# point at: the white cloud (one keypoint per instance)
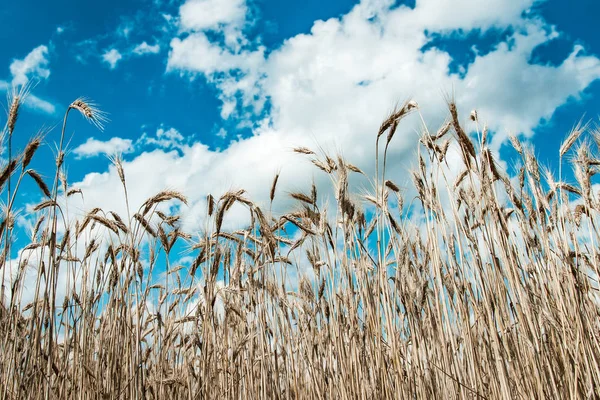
(34, 65)
(60, 29)
(35, 103)
(442, 15)
(200, 15)
(215, 45)
(145, 48)
(112, 57)
(224, 52)
(334, 85)
(167, 139)
(233, 71)
(197, 53)
(170, 134)
(93, 147)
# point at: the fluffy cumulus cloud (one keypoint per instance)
(163, 138)
(201, 15)
(112, 57)
(332, 87)
(444, 16)
(93, 147)
(214, 58)
(214, 45)
(32, 68)
(34, 65)
(233, 72)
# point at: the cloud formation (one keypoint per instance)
(32, 68)
(112, 57)
(93, 147)
(164, 138)
(145, 48)
(34, 65)
(228, 59)
(201, 15)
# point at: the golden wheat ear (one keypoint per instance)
(90, 111)
(16, 96)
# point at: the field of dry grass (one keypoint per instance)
(470, 285)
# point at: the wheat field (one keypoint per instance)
(476, 285)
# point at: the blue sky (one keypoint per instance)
(205, 95)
